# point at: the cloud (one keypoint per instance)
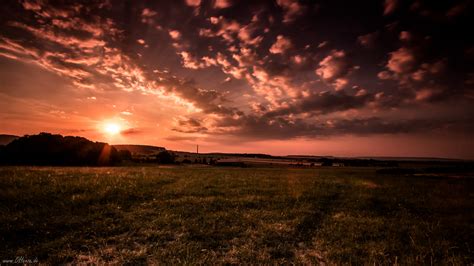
(384, 75)
(435, 67)
(403, 65)
(246, 35)
(419, 75)
(273, 88)
(148, 16)
(367, 40)
(192, 62)
(146, 12)
(189, 125)
(427, 69)
(390, 6)
(298, 59)
(292, 9)
(401, 60)
(175, 35)
(228, 28)
(340, 83)
(424, 94)
(252, 127)
(323, 44)
(333, 66)
(222, 4)
(132, 131)
(281, 45)
(324, 103)
(457, 9)
(193, 2)
(405, 36)
(127, 113)
(51, 35)
(422, 82)
(31, 5)
(95, 63)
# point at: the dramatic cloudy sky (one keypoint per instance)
(282, 77)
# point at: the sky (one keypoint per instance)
(341, 78)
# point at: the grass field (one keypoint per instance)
(231, 215)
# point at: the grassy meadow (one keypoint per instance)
(191, 215)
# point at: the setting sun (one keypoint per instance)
(112, 128)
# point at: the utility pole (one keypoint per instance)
(197, 149)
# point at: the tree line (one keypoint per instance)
(51, 149)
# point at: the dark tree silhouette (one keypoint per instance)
(165, 157)
(49, 149)
(125, 155)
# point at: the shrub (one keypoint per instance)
(165, 157)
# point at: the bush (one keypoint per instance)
(165, 157)
(396, 171)
(125, 155)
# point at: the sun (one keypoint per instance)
(112, 128)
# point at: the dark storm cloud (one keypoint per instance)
(294, 64)
(323, 103)
(190, 125)
(254, 128)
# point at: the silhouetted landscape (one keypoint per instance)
(54, 149)
(160, 206)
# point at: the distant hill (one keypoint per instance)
(413, 159)
(49, 149)
(5, 139)
(140, 149)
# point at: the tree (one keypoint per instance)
(125, 155)
(49, 149)
(165, 157)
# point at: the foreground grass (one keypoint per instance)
(203, 215)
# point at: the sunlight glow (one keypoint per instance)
(112, 128)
